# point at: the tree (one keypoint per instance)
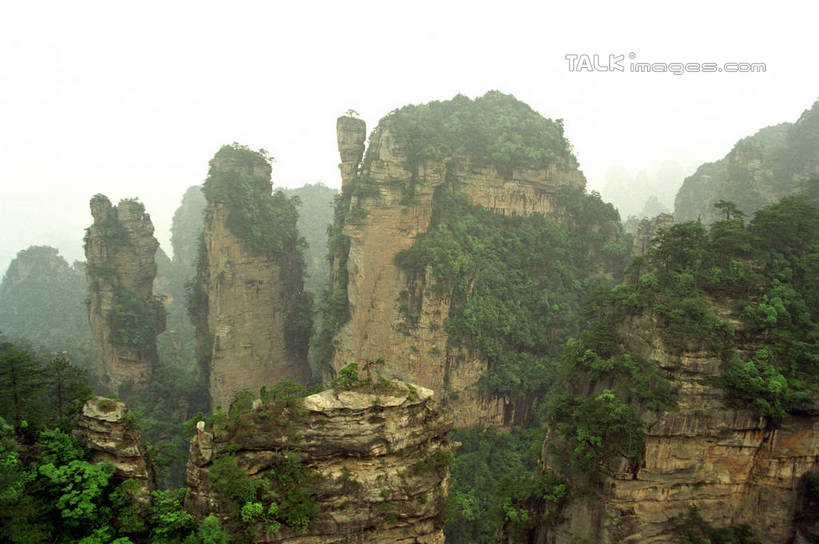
(730, 209)
(68, 386)
(21, 380)
(788, 227)
(679, 247)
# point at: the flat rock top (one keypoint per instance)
(104, 409)
(362, 400)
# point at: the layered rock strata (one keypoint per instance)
(374, 455)
(108, 431)
(732, 465)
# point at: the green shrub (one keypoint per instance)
(279, 497)
(762, 387)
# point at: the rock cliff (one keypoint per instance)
(374, 458)
(107, 429)
(733, 466)
(125, 316)
(390, 203)
(759, 170)
(250, 307)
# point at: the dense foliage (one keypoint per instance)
(491, 266)
(35, 393)
(134, 321)
(278, 498)
(496, 484)
(495, 129)
(50, 492)
(239, 178)
(764, 273)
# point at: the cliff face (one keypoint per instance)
(377, 459)
(387, 221)
(759, 170)
(246, 292)
(735, 467)
(125, 316)
(105, 428)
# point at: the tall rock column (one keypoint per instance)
(351, 133)
(250, 309)
(124, 315)
(387, 203)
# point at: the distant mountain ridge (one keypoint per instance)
(759, 170)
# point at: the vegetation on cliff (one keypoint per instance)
(763, 273)
(51, 492)
(239, 179)
(135, 322)
(495, 129)
(493, 475)
(49, 489)
(766, 271)
(491, 265)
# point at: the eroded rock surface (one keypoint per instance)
(105, 428)
(241, 326)
(372, 453)
(124, 315)
(733, 465)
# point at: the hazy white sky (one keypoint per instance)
(133, 99)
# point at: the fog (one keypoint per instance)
(134, 100)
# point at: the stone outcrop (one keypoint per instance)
(734, 466)
(124, 315)
(378, 456)
(384, 224)
(647, 230)
(350, 133)
(106, 428)
(760, 169)
(241, 323)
